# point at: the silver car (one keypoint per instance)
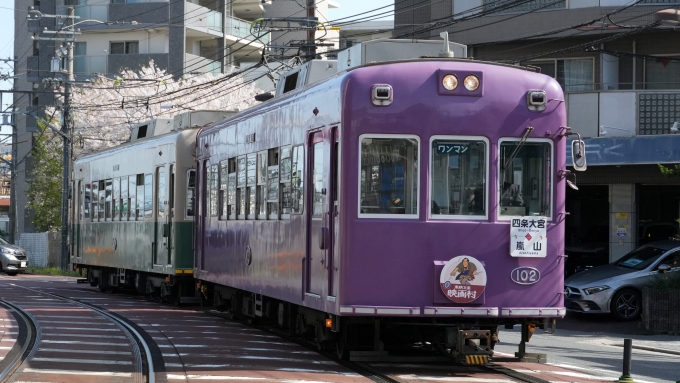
(616, 288)
(12, 258)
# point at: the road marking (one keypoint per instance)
(89, 361)
(454, 379)
(85, 351)
(87, 336)
(79, 328)
(233, 377)
(90, 343)
(69, 322)
(72, 372)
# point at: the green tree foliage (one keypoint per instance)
(44, 190)
(669, 171)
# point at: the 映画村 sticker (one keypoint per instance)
(463, 279)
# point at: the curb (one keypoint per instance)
(653, 349)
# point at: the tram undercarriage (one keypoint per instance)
(371, 338)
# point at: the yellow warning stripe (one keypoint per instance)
(187, 271)
(476, 359)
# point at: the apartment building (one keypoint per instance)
(621, 79)
(180, 36)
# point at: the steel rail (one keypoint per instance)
(20, 351)
(151, 376)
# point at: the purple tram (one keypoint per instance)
(415, 202)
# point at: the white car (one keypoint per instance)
(616, 288)
(12, 258)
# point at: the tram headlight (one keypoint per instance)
(471, 83)
(450, 82)
(597, 289)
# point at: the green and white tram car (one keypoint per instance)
(133, 209)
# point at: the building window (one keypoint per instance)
(389, 176)
(658, 112)
(124, 48)
(458, 173)
(80, 49)
(574, 75)
(496, 6)
(36, 47)
(662, 74)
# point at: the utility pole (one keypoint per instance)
(310, 47)
(67, 148)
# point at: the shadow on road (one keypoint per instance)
(600, 323)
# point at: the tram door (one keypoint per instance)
(160, 238)
(319, 215)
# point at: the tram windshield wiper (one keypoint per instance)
(521, 143)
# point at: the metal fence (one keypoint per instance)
(36, 246)
(661, 310)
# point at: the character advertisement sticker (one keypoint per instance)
(463, 279)
(528, 237)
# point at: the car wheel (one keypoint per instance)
(626, 305)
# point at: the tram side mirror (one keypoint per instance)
(578, 155)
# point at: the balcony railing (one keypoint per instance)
(90, 64)
(241, 28)
(198, 64)
(87, 12)
(623, 112)
(198, 16)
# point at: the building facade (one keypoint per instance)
(182, 37)
(620, 71)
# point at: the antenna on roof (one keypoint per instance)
(446, 52)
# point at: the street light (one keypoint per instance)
(668, 17)
(604, 132)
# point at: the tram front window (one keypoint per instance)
(389, 175)
(458, 178)
(524, 183)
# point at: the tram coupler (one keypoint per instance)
(472, 346)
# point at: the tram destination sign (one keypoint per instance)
(528, 237)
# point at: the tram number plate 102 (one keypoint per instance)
(525, 275)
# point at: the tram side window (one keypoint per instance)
(102, 199)
(162, 202)
(389, 175)
(222, 200)
(115, 201)
(262, 185)
(273, 184)
(148, 195)
(524, 182)
(251, 185)
(86, 200)
(108, 198)
(230, 202)
(191, 187)
(124, 201)
(458, 177)
(139, 209)
(213, 184)
(132, 189)
(95, 201)
(284, 186)
(241, 185)
(297, 178)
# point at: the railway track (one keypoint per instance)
(404, 372)
(62, 338)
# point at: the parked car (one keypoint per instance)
(616, 288)
(12, 258)
(590, 251)
(656, 231)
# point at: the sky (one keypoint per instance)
(347, 8)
